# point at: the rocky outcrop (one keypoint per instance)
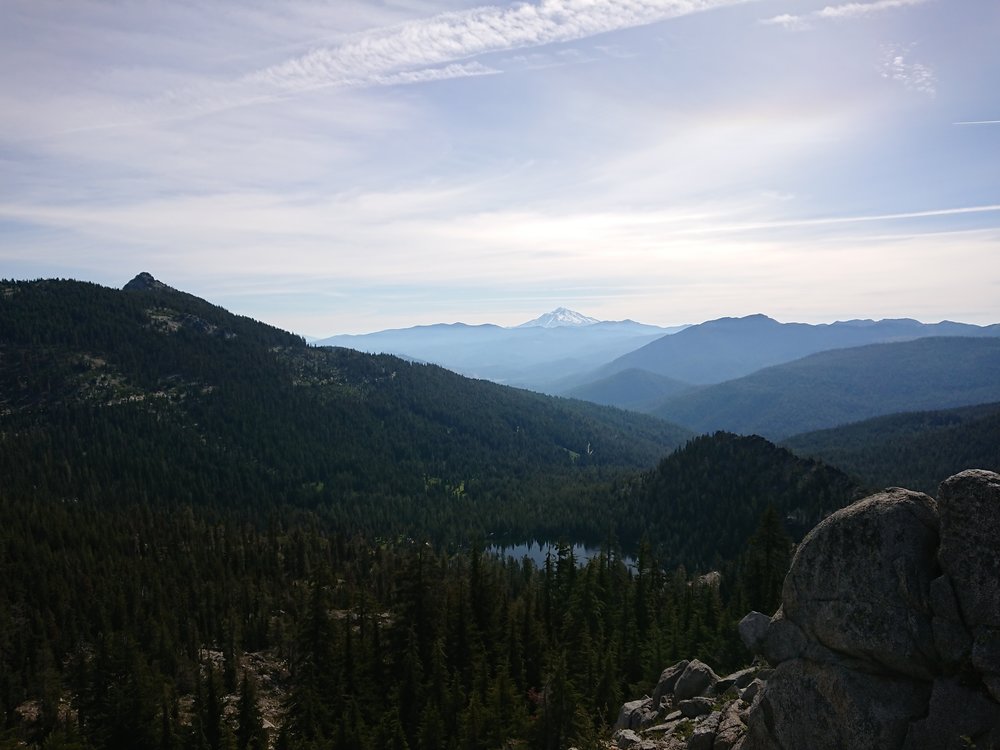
(969, 555)
(636, 714)
(692, 708)
(860, 584)
(887, 638)
(697, 679)
(807, 704)
(668, 679)
(144, 282)
(753, 631)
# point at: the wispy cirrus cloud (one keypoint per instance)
(838, 12)
(914, 76)
(454, 70)
(439, 47)
(853, 10)
(788, 21)
(435, 48)
(450, 37)
(834, 220)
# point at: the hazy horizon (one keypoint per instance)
(645, 322)
(354, 166)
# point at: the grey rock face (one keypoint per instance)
(668, 680)
(986, 650)
(635, 714)
(828, 707)
(859, 584)
(627, 739)
(696, 679)
(969, 555)
(738, 680)
(951, 638)
(888, 635)
(955, 711)
(751, 691)
(694, 707)
(969, 507)
(731, 728)
(752, 629)
(703, 737)
(783, 640)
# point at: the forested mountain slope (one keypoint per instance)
(702, 503)
(150, 394)
(634, 389)
(912, 449)
(727, 348)
(195, 508)
(845, 385)
(149, 625)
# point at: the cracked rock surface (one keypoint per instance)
(887, 638)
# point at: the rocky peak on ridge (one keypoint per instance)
(144, 282)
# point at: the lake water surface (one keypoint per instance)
(537, 551)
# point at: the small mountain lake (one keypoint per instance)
(537, 552)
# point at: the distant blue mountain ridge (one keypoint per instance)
(629, 364)
(533, 355)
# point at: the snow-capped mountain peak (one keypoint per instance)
(560, 317)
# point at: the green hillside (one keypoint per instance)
(917, 450)
(845, 385)
(630, 389)
(152, 395)
(702, 502)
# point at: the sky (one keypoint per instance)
(344, 166)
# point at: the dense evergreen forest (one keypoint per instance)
(918, 450)
(130, 627)
(153, 395)
(214, 536)
(702, 502)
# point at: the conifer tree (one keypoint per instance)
(767, 559)
(315, 675)
(250, 734)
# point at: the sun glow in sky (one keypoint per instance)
(338, 166)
